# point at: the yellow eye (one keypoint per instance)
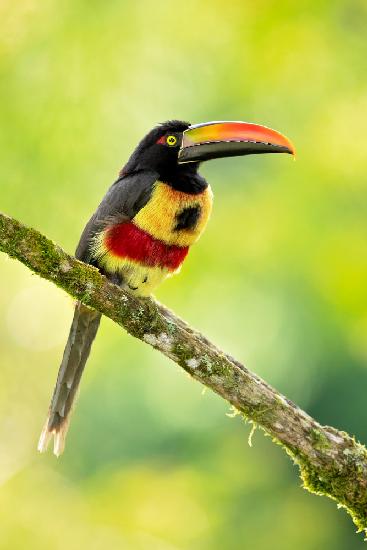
(171, 140)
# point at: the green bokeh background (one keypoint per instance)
(278, 279)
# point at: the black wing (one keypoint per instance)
(122, 202)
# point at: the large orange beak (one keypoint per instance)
(230, 139)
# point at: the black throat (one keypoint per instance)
(185, 178)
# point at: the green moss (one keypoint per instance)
(341, 487)
(344, 485)
(251, 434)
(206, 361)
(45, 258)
(171, 328)
(319, 440)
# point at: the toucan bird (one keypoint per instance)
(142, 230)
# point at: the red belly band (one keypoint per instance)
(126, 240)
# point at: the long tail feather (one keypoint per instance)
(82, 333)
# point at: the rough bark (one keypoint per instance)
(331, 462)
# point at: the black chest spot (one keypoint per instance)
(187, 218)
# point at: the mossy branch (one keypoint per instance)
(331, 462)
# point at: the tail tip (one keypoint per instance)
(59, 443)
(58, 435)
(44, 439)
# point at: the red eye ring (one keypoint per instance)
(170, 140)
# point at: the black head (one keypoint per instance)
(158, 151)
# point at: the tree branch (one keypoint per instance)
(331, 462)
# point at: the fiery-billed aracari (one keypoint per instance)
(142, 230)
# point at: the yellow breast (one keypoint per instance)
(160, 215)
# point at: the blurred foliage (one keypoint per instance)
(278, 280)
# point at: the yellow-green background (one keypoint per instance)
(278, 280)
